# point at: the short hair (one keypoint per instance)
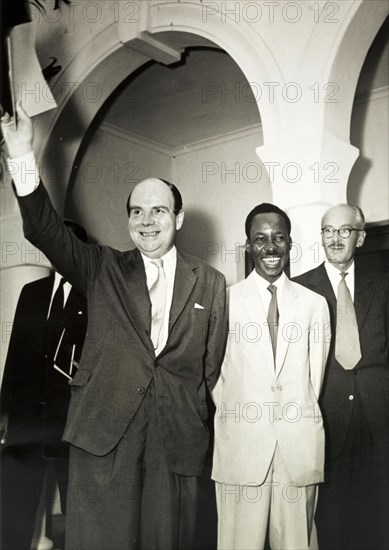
(359, 215)
(177, 198)
(77, 229)
(266, 208)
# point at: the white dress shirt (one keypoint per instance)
(265, 294)
(24, 172)
(169, 267)
(335, 278)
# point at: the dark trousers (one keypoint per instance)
(129, 499)
(353, 508)
(23, 471)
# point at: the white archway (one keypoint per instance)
(119, 50)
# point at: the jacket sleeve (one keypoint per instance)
(217, 334)
(319, 343)
(43, 227)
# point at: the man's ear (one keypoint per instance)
(247, 247)
(179, 220)
(361, 238)
(290, 243)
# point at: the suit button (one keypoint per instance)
(351, 397)
(279, 388)
(140, 390)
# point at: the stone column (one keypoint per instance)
(307, 177)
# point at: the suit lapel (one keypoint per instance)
(43, 298)
(136, 301)
(257, 314)
(287, 309)
(363, 295)
(320, 283)
(72, 306)
(184, 282)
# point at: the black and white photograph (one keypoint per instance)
(194, 277)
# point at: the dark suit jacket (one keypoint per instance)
(118, 361)
(33, 393)
(370, 377)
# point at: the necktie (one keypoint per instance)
(347, 347)
(272, 318)
(53, 327)
(158, 301)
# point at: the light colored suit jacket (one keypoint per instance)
(261, 404)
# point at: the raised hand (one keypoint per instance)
(18, 137)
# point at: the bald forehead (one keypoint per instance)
(151, 190)
(148, 184)
(339, 215)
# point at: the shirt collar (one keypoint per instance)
(334, 277)
(57, 279)
(262, 283)
(169, 260)
(333, 272)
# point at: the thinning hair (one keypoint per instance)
(266, 208)
(359, 216)
(177, 198)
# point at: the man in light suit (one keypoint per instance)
(154, 344)
(352, 510)
(269, 436)
(35, 396)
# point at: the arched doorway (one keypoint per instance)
(195, 123)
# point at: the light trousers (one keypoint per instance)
(246, 512)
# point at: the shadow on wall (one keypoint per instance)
(198, 235)
(361, 118)
(358, 176)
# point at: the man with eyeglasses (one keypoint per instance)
(352, 507)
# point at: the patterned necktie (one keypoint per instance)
(347, 347)
(53, 327)
(272, 318)
(158, 301)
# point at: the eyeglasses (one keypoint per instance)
(343, 232)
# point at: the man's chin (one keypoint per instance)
(269, 274)
(335, 256)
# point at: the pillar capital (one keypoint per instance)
(307, 177)
(311, 170)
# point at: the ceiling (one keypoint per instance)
(205, 94)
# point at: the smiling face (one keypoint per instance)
(339, 251)
(152, 222)
(269, 245)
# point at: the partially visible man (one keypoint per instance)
(46, 343)
(353, 503)
(269, 436)
(155, 342)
